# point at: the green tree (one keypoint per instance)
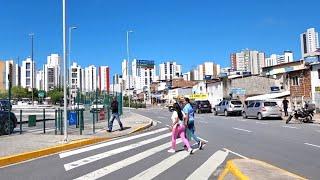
(56, 95)
(19, 92)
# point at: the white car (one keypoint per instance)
(96, 106)
(76, 106)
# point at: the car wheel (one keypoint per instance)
(8, 127)
(260, 116)
(215, 112)
(226, 113)
(244, 115)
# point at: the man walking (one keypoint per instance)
(189, 112)
(285, 103)
(115, 115)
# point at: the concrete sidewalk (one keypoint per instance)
(16, 148)
(246, 169)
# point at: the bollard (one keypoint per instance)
(55, 122)
(20, 121)
(44, 121)
(93, 123)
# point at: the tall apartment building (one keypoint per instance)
(143, 72)
(52, 74)
(91, 78)
(104, 78)
(28, 74)
(247, 60)
(208, 69)
(169, 71)
(10, 73)
(18, 75)
(276, 59)
(75, 79)
(309, 41)
(39, 80)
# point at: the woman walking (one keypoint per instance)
(178, 128)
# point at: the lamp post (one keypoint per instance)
(69, 59)
(32, 66)
(64, 69)
(128, 63)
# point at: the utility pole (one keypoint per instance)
(32, 66)
(128, 64)
(65, 70)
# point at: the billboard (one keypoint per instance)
(148, 64)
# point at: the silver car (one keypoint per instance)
(227, 107)
(262, 109)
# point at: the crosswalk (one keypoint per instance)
(148, 146)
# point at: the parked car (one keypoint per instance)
(96, 106)
(6, 126)
(262, 109)
(228, 107)
(201, 106)
(5, 105)
(76, 106)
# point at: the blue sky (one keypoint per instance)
(187, 31)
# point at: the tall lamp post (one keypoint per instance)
(128, 63)
(69, 58)
(65, 70)
(32, 66)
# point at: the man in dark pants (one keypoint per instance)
(285, 103)
(115, 115)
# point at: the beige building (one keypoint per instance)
(2, 75)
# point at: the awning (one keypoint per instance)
(269, 96)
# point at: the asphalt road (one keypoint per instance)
(294, 147)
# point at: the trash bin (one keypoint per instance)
(72, 118)
(32, 119)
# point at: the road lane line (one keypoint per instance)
(207, 168)
(124, 163)
(261, 123)
(204, 122)
(291, 127)
(159, 122)
(242, 120)
(237, 154)
(90, 148)
(164, 165)
(106, 154)
(203, 139)
(241, 129)
(312, 145)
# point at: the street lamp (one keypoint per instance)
(32, 73)
(128, 60)
(69, 58)
(65, 70)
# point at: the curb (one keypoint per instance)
(13, 159)
(238, 174)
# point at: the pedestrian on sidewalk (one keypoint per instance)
(115, 114)
(189, 112)
(285, 103)
(178, 128)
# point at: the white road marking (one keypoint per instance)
(241, 129)
(207, 168)
(106, 154)
(161, 117)
(159, 122)
(312, 145)
(242, 120)
(291, 127)
(261, 123)
(204, 122)
(162, 166)
(237, 154)
(90, 148)
(203, 139)
(124, 163)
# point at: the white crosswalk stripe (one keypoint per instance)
(90, 148)
(156, 146)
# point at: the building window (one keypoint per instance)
(146, 81)
(295, 81)
(27, 73)
(27, 65)
(318, 73)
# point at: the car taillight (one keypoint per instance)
(263, 109)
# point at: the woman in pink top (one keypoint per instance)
(178, 128)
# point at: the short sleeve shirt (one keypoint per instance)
(188, 110)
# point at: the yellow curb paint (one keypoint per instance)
(142, 127)
(235, 171)
(8, 160)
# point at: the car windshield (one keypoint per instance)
(270, 104)
(236, 102)
(204, 102)
(4, 103)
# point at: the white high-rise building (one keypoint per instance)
(18, 75)
(83, 80)
(91, 78)
(249, 61)
(104, 78)
(169, 71)
(206, 69)
(309, 42)
(75, 79)
(276, 59)
(39, 80)
(187, 76)
(51, 70)
(28, 74)
(143, 72)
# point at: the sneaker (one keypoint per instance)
(190, 151)
(109, 130)
(201, 144)
(171, 151)
(185, 147)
